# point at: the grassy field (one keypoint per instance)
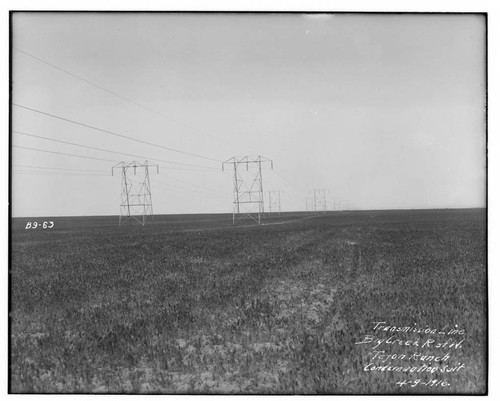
(191, 304)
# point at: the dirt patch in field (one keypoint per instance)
(312, 303)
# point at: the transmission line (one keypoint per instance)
(56, 168)
(109, 151)
(115, 94)
(203, 189)
(62, 153)
(290, 183)
(187, 191)
(58, 173)
(116, 134)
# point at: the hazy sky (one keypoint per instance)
(386, 111)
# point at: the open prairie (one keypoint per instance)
(193, 304)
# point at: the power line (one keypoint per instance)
(93, 173)
(62, 153)
(200, 188)
(109, 151)
(206, 170)
(98, 171)
(116, 134)
(72, 143)
(57, 173)
(187, 191)
(290, 183)
(56, 168)
(115, 94)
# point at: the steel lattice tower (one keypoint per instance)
(274, 201)
(136, 201)
(319, 200)
(248, 193)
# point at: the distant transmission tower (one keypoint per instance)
(136, 202)
(248, 193)
(341, 204)
(319, 200)
(309, 207)
(274, 201)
